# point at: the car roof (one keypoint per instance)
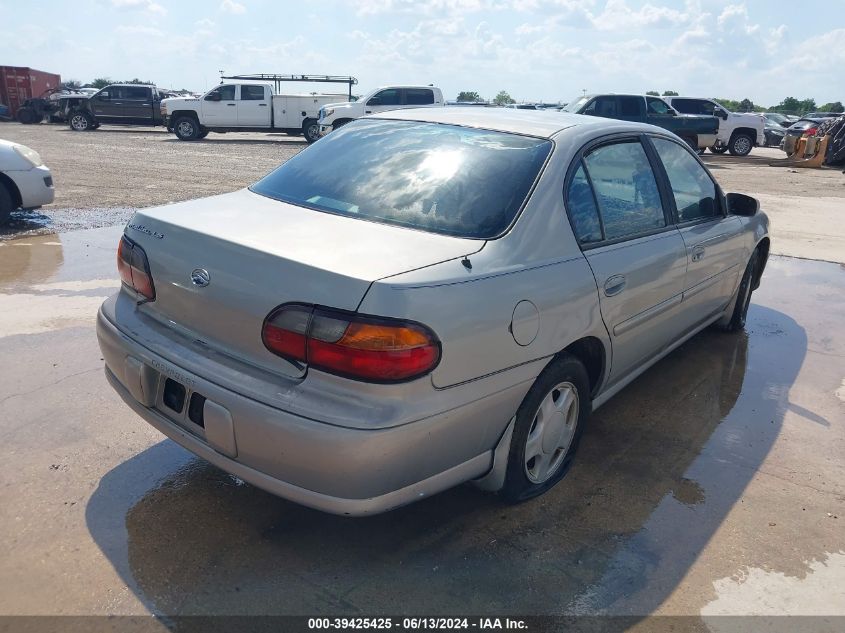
(541, 123)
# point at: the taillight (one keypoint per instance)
(811, 131)
(134, 268)
(356, 346)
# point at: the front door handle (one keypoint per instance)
(368, 111)
(697, 254)
(231, 105)
(614, 285)
(263, 105)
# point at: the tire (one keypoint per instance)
(700, 151)
(311, 130)
(6, 204)
(186, 128)
(717, 150)
(743, 296)
(80, 121)
(740, 145)
(203, 134)
(692, 141)
(27, 116)
(562, 391)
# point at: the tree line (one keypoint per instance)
(790, 105)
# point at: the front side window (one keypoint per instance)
(606, 106)
(694, 191)
(438, 178)
(583, 213)
(227, 93)
(686, 106)
(252, 93)
(629, 201)
(657, 106)
(387, 97)
(418, 96)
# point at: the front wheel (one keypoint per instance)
(549, 424)
(6, 204)
(81, 121)
(311, 130)
(186, 128)
(740, 145)
(718, 149)
(743, 296)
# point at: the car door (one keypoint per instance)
(383, 100)
(253, 106)
(712, 238)
(658, 112)
(637, 256)
(219, 107)
(107, 105)
(137, 104)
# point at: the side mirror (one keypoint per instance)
(722, 114)
(740, 204)
(103, 96)
(374, 101)
(214, 96)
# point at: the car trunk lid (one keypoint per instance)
(259, 253)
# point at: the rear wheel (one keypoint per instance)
(80, 121)
(26, 116)
(740, 145)
(186, 128)
(549, 424)
(311, 130)
(6, 204)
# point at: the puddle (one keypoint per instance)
(48, 221)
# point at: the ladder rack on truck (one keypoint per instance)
(278, 80)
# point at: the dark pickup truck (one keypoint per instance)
(123, 104)
(697, 130)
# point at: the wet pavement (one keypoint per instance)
(714, 484)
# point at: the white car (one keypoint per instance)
(25, 182)
(738, 133)
(335, 115)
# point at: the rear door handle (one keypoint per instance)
(368, 111)
(697, 254)
(614, 285)
(231, 105)
(263, 105)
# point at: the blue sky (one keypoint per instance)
(535, 49)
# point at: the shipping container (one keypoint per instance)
(18, 83)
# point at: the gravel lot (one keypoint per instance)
(102, 175)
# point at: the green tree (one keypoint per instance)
(653, 93)
(731, 105)
(138, 81)
(746, 105)
(101, 82)
(835, 106)
(503, 98)
(670, 93)
(807, 105)
(466, 95)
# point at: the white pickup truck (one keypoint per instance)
(334, 115)
(738, 132)
(245, 107)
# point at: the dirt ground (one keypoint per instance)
(102, 175)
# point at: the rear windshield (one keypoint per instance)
(428, 176)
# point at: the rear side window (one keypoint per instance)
(583, 213)
(138, 94)
(630, 106)
(252, 93)
(693, 189)
(418, 96)
(686, 106)
(629, 201)
(437, 178)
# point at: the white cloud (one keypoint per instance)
(149, 6)
(230, 6)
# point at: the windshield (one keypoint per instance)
(434, 177)
(576, 105)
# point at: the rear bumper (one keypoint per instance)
(348, 471)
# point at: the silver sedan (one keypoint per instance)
(423, 299)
